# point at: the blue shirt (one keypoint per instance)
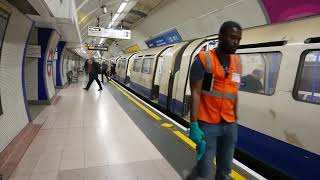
(197, 70)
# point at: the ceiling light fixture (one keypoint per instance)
(101, 40)
(115, 17)
(110, 24)
(122, 6)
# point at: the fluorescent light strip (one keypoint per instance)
(122, 6)
(101, 40)
(115, 17)
(110, 24)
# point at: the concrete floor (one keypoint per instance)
(87, 135)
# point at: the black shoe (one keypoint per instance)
(100, 89)
(85, 89)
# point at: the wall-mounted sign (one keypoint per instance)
(33, 51)
(134, 48)
(97, 48)
(109, 33)
(50, 62)
(170, 37)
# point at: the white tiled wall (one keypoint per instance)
(14, 116)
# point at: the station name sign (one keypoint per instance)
(170, 37)
(108, 33)
(97, 48)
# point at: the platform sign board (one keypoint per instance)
(97, 48)
(33, 51)
(109, 33)
(134, 48)
(170, 37)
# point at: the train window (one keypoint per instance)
(212, 44)
(119, 64)
(4, 18)
(260, 72)
(147, 65)
(137, 63)
(122, 64)
(308, 79)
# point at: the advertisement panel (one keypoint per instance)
(280, 11)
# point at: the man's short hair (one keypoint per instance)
(228, 25)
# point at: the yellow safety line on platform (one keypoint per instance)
(185, 139)
(167, 125)
(179, 134)
(152, 114)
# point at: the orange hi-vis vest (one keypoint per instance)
(219, 100)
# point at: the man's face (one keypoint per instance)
(230, 40)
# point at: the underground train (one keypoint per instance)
(278, 123)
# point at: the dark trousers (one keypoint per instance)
(91, 79)
(221, 141)
(104, 73)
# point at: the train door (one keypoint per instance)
(174, 73)
(159, 70)
(129, 68)
(208, 45)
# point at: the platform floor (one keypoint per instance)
(87, 135)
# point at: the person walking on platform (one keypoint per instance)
(85, 66)
(104, 71)
(113, 69)
(93, 70)
(214, 81)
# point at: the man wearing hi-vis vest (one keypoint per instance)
(214, 81)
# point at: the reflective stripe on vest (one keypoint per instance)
(208, 60)
(237, 61)
(218, 93)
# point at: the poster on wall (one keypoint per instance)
(279, 11)
(50, 62)
(33, 51)
(4, 18)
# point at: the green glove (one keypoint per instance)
(197, 136)
(201, 149)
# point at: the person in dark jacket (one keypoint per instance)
(104, 71)
(113, 69)
(93, 69)
(85, 66)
